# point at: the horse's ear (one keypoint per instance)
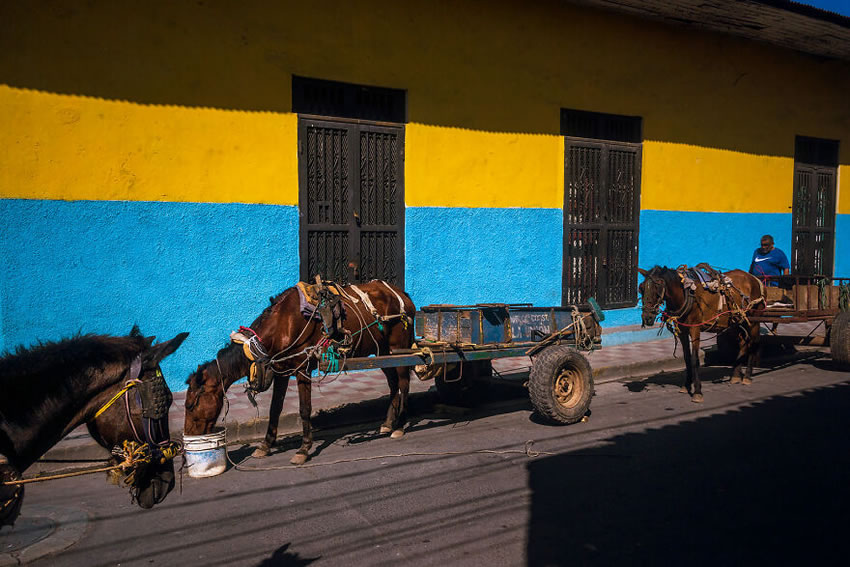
(271, 300)
(148, 341)
(135, 331)
(161, 350)
(644, 273)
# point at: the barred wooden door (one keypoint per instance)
(351, 200)
(601, 204)
(813, 208)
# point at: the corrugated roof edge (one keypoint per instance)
(810, 11)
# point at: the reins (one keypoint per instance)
(132, 453)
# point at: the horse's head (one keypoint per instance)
(154, 481)
(204, 399)
(652, 291)
(206, 387)
(140, 423)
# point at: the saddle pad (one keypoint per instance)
(308, 298)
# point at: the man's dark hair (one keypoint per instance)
(767, 237)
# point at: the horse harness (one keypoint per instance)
(714, 282)
(321, 301)
(154, 397)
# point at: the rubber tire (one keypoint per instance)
(462, 392)
(545, 372)
(839, 340)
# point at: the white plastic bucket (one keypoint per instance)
(205, 454)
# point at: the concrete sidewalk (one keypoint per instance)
(360, 397)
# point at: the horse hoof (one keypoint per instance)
(385, 429)
(298, 459)
(683, 390)
(697, 399)
(397, 434)
(260, 452)
(735, 380)
(747, 381)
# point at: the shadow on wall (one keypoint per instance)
(764, 484)
(494, 66)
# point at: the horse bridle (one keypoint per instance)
(154, 398)
(654, 309)
(662, 297)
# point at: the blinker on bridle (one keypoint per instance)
(654, 309)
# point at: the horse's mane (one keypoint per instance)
(50, 362)
(669, 275)
(227, 358)
(279, 297)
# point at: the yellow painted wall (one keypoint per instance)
(714, 180)
(82, 148)
(844, 189)
(506, 170)
(185, 102)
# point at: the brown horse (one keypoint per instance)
(284, 342)
(690, 311)
(50, 389)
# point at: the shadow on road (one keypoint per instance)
(763, 484)
(358, 422)
(282, 557)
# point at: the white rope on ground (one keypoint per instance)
(527, 451)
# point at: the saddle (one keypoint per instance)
(323, 301)
(704, 275)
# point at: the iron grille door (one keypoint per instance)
(813, 208)
(352, 201)
(601, 204)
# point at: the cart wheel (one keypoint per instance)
(458, 385)
(839, 340)
(560, 384)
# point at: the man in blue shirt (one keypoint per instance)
(767, 260)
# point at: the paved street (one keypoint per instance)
(755, 475)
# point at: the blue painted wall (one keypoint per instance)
(100, 267)
(724, 240)
(483, 255)
(842, 246)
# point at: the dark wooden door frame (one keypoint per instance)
(602, 223)
(354, 225)
(816, 159)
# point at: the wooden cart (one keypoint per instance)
(799, 299)
(457, 344)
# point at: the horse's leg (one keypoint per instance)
(684, 338)
(753, 342)
(739, 358)
(279, 386)
(403, 392)
(697, 397)
(305, 410)
(392, 411)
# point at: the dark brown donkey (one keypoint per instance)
(689, 311)
(283, 342)
(48, 390)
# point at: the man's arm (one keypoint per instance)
(783, 263)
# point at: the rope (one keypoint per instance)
(844, 297)
(132, 452)
(120, 393)
(58, 476)
(527, 451)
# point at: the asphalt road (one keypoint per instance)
(756, 475)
